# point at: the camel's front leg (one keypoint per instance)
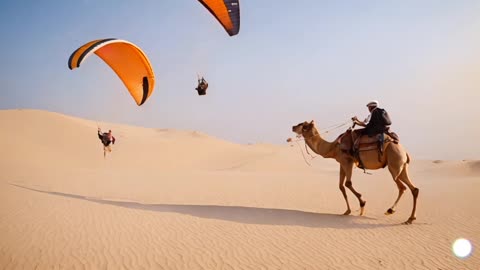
(344, 192)
(348, 173)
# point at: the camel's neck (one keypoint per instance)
(321, 147)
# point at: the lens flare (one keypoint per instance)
(462, 248)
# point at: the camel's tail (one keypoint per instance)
(408, 158)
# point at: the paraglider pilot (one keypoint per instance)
(202, 87)
(106, 139)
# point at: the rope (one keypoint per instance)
(334, 127)
(302, 153)
(306, 148)
(328, 129)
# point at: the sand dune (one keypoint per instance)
(474, 166)
(173, 199)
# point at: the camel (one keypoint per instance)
(394, 157)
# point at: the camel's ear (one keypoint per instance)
(305, 125)
(311, 122)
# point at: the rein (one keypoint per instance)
(303, 155)
(327, 130)
(333, 127)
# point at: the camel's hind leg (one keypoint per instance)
(396, 169)
(405, 179)
(401, 190)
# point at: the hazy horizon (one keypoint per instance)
(289, 63)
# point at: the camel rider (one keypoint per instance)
(106, 139)
(377, 122)
(202, 86)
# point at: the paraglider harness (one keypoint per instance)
(202, 87)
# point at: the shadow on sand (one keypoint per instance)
(240, 214)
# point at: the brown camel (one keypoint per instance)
(394, 156)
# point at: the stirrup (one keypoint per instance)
(365, 172)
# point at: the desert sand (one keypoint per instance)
(174, 199)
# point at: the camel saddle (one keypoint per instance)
(351, 142)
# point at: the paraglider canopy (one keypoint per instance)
(227, 13)
(127, 60)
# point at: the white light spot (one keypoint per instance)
(462, 248)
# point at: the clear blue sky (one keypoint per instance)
(292, 61)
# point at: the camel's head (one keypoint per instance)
(305, 129)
